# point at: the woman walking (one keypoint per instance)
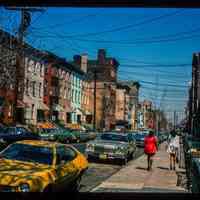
(173, 150)
(150, 148)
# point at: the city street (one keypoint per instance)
(99, 171)
(121, 85)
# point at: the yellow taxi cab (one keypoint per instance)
(41, 166)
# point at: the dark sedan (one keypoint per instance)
(12, 134)
(139, 137)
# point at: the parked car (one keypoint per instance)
(48, 133)
(80, 137)
(139, 137)
(112, 146)
(40, 166)
(65, 136)
(87, 135)
(13, 134)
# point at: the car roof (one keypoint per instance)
(38, 143)
(115, 133)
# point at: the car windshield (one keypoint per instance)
(29, 153)
(114, 137)
(51, 130)
(138, 136)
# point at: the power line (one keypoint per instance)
(150, 63)
(67, 22)
(147, 73)
(130, 25)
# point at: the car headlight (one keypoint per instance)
(90, 147)
(24, 187)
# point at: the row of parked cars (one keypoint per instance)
(59, 134)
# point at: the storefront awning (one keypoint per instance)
(57, 107)
(42, 106)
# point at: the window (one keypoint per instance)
(65, 92)
(45, 87)
(69, 119)
(27, 87)
(38, 65)
(46, 69)
(34, 67)
(10, 130)
(32, 111)
(72, 97)
(30, 66)
(75, 96)
(21, 130)
(64, 154)
(33, 85)
(29, 153)
(41, 69)
(79, 97)
(40, 90)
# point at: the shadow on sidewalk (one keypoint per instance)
(142, 168)
(165, 168)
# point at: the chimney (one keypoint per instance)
(83, 64)
(77, 59)
(101, 56)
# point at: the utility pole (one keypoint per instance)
(94, 108)
(174, 120)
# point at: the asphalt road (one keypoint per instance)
(99, 171)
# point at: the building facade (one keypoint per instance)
(103, 73)
(7, 77)
(194, 98)
(33, 93)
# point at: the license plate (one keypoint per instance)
(102, 156)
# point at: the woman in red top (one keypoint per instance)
(150, 148)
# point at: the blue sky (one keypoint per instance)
(136, 37)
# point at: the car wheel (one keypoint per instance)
(49, 188)
(76, 184)
(131, 155)
(124, 161)
(67, 141)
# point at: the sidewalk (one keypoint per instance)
(135, 178)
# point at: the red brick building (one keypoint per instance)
(57, 88)
(105, 69)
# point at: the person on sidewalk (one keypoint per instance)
(150, 148)
(173, 150)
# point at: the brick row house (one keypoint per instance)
(52, 88)
(7, 77)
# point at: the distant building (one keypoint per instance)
(106, 80)
(127, 93)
